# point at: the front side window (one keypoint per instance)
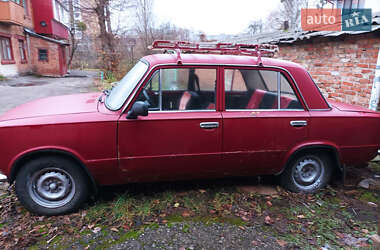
(125, 86)
(180, 89)
(258, 89)
(6, 50)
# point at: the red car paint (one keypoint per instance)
(171, 145)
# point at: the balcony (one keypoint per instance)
(59, 30)
(11, 12)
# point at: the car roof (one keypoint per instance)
(212, 59)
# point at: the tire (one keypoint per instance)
(307, 173)
(52, 186)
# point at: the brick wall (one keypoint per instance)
(18, 67)
(343, 67)
(49, 67)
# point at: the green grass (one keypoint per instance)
(370, 197)
(2, 78)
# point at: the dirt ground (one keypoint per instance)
(16, 91)
(214, 214)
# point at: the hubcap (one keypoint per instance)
(51, 187)
(307, 172)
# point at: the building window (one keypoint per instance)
(61, 13)
(21, 46)
(43, 55)
(6, 50)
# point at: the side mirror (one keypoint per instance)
(138, 109)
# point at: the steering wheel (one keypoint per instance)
(147, 97)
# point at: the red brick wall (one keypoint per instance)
(343, 67)
(16, 32)
(47, 68)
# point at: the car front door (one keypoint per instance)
(263, 119)
(181, 136)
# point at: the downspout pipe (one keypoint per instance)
(375, 94)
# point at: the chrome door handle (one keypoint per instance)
(298, 123)
(209, 125)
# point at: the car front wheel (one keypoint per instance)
(51, 186)
(307, 173)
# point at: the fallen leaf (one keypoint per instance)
(242, 228)
(114, 229)
(365, 231)
(186, 214)
(269, 204)
(244, 218)
(340, 235)
(268, 220)
(176, 204)
(202, 191)
(91, 226)
(301, 216)
(96, 230)
(254, 243)
(282, 243)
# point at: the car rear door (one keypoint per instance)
(181, 136)
(263, 119)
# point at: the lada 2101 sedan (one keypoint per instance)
(204, 111)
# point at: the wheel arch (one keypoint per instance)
(30, 155)
(329, 148)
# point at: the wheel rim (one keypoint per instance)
(308, 172)
(51, 187)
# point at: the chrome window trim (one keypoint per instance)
(329, 109)
(262, 110)
(132, 95)
(279, 90)
(182, 111)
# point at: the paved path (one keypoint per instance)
(16, 91)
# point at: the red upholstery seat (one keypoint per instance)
(285, 101)
(256, 98)
(211, 106)
(185, 99)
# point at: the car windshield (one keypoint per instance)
(125, 86)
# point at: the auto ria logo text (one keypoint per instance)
(336, 19)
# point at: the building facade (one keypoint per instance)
(33, 37)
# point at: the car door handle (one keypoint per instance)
(209, 125)
(298, 123)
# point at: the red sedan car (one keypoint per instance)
(227, 112)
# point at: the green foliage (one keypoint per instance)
(2, 78)
(81, 26)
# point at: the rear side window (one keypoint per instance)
(258, 89)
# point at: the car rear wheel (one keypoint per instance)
(307, 173)
(51, 186)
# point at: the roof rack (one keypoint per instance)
(185, 47)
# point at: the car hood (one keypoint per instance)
(57, 105)
(349, 107)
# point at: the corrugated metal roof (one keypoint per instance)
(291, 37)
